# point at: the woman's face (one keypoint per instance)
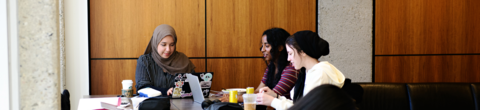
(294, 57)
(266, 48)
(166, 47)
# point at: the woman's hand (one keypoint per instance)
(261, 85)
(170, 91)
(268, 91)
(264, 99)
(226, 98)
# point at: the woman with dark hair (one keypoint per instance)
(157, 67)
(280, 75)
(325, 97)
(304, 48)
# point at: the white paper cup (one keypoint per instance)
(127, 84)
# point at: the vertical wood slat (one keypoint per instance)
(419, 69)
(123, 28)
(236, 73)
(427, 27)
(235, 27)
(106, 76)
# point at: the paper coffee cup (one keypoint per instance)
(127, 92)
(127, 84)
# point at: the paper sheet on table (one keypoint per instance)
(94, 103)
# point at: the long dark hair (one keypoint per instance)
(276, 37)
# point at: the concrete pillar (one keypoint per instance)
(39, 51)
(347, 25)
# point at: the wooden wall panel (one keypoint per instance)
(417, 69)
(123, 28)
(199, 65)
(236, 73)
(235, 27)
(427, 27)
(107, 75)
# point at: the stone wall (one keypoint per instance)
(347, 25)
(39, 54)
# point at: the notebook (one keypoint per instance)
(182, 87)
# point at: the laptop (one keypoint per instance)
(195, 87)
(184, 88)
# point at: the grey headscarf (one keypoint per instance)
(177, 62)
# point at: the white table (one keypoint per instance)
(93, 102)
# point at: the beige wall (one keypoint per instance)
(76, 49)
(4, 67)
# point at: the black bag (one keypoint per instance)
(224, 106)
(65, 100)
(155, 103)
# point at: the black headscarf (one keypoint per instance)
(311, 44)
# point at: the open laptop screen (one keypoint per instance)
(195, 87)
(182, 86)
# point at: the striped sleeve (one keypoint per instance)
(287, 81)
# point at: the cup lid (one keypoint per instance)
(127, 81)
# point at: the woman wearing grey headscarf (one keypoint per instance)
(157, 67)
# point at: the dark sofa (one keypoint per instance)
(420, 96)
